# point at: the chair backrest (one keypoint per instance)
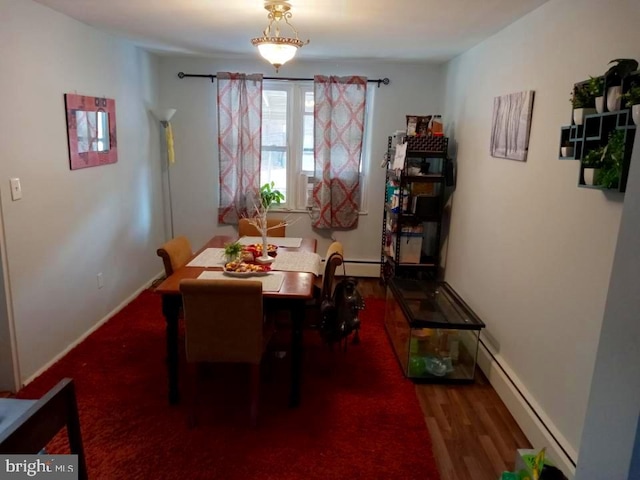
(175, 254)
(332, 260)
(245, 229)
(223, 320)
(40, 420)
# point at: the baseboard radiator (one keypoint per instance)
(536, 425)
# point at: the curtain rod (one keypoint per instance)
(379, 81)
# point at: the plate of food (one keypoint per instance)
(243, 269)
(256, 249)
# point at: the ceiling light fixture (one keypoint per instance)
(276, 49)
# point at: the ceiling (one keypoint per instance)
(405, 30)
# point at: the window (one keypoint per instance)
(287, 140)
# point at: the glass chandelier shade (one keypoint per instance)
(274, 47)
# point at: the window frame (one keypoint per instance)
(296, 91)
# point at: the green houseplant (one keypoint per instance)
(612, 157)
(268, 197)
(232, 251)
(632, 100)
(581, 96)
(582, 101)
(596, 86)
(592, 163)
(621, 69)
(632, 97)
(596, 89)
(605, 162)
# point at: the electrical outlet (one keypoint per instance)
(100, 280)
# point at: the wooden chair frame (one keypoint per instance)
(32, 430)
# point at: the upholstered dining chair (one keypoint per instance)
(224, 323)
(175, 254)
(323, 287)
(245, 229)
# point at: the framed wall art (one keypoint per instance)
(511, 124)
(91, 131)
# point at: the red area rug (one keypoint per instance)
(359, 418)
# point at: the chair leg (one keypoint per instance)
(192, 380)
(255, 390)
(356, 337)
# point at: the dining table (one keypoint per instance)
(296, 290)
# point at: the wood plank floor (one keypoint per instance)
(473, 434)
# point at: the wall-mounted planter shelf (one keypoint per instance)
(595, 132)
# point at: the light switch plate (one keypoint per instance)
(16, 189)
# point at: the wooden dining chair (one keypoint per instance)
(27, 426)
(245, 229)
(224, 322)
(175, 254)
(323, 287)
(332, 260)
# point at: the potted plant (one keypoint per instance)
(632, 100)
(232, 251)
(596, 89)
(602, 165)
(582, 102)
(268, 196)
(591, 163)
(621, 69)
(609, 175)
(566, 150)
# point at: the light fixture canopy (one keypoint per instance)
(275, 48)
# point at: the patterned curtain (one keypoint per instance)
(338, 131)
(239, 143)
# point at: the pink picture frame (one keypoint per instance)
(91, 131)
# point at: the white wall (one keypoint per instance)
(8, 373)
(71, 225)
(614, 404)
(413, 89)
(528, 250)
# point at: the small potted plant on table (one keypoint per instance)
(232, 251)
(268, 196)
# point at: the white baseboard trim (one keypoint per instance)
(530, 417)
(87, 333)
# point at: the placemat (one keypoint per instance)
(210, 257)
(298, 262)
